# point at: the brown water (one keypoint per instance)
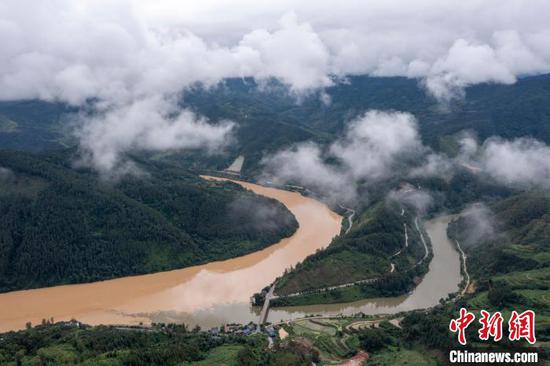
(218, 292)
(208, 295)
(442, 279)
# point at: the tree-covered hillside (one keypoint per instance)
(368, 249)
(519, 241)
(163, 345)
(510, 270)
(33, 125)
(521, 109)
(269, 118)
(62, 225)
(376, 247)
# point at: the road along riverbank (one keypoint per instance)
(443, 278)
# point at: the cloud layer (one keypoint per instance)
(381, 145)
(124, 55)
(517, 162)
(123, 49)
(152, 124)
(522, 162)
(370, 150)
(479, 225)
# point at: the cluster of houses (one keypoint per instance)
(243, 330)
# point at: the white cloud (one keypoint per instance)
(294, 54)
(421, 201)
(5, 174)
(305, 164)
(522, 162)
(119, 49)
(152, 124)
(479, 224)
(370, 150)
(517, 162)
(434, 165)
(375, 141)
(379, 145)
(518, 54)
(111, 53)
(74, 51)
(468, 146)
(121, 52)
(466, 64)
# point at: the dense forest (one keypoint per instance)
(367, 251)
(63, 225)
(487, 110)
(510, 270)
(164, 345)
(377, 234)
(269, 118)
(519, 241)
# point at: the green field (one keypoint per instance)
(224, 355)
(400, 356)
(526, 279)
(305, 327)
(327, 336)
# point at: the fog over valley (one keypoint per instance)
(269, 183)
(125, 62)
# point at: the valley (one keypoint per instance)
(218, 292)
(207, 295)
(274, 183)
(148, 255)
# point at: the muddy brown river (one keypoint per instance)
(442, 279)
(208, 295)
(218, 292)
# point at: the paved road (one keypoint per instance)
(350, 218)
(369, 280)
(466, 274)
(422, 239)
(406, 241)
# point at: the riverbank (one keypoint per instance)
(443, 278)
(390, 284)
(206, 295)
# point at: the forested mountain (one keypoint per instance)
(269, 118)
(519, 239)
(314, 183)
(510, 270)
(367, 251)
(164, 345)
(506, 110)
(521, 109)
(63, 225)
(33, 125)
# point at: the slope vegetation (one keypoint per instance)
(61, 225)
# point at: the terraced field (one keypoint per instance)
(526, 279)
(327, 336)
(311, 326)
